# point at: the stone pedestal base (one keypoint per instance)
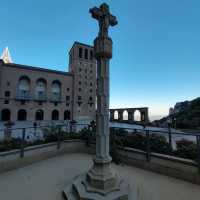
(81, 190)
(101, 178)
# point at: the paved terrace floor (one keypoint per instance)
(46, 179)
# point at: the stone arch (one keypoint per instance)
(67, 115)
(125, 115)
(55, 115)
(21, 115)
(137, 115)
(5, 115)
(39, 115)
(116, 115)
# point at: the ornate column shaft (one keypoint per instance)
(102, 135)
(101, 177)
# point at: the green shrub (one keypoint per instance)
(50, 133)
(15, 143)
(135, 140)
(159, 144)
(186, 149)
(114, 143)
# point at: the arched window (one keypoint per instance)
(24, 88)
(56, 91)
(137, 115)
(116, 115)
(41, 89)
(125, 115)
(21, 115)
(39, 115)
(5, 115)
(67, 115)
(55, 115)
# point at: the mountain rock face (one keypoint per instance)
(184, 115)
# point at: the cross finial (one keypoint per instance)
(105, 19)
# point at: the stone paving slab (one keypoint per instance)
(45, 180)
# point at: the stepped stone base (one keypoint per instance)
(81, 190)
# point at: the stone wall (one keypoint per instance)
(168, 165)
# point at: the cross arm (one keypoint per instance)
(113, 20)
(96, 13)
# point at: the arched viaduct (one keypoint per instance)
(128, 115)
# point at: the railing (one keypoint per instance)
(55, 98)
(26, 96)
(41, 97)
(145, 139)
(19, 138)
(23, 95)
(147, 136)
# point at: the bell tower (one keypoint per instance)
(83, 65)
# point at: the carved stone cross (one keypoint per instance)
(101, 182)
(105, 19)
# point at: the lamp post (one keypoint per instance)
(169, 123)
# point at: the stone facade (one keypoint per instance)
(33, 93)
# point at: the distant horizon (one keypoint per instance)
(156, 45)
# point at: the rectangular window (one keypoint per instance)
(91, 55)
(80, 52)
(67, 98)
(6, 102)
(70, 59)
(23, 102)
(86, 54)
(79, 98)
(7, 93)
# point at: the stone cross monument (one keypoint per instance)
(101, 182)
(102, 53)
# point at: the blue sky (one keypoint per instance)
(156, 58)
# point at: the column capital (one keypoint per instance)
(103, 47)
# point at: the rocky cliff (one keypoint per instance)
(185, 115)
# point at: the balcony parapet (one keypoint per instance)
(40, 98)
(55, 99)
(24, 97)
